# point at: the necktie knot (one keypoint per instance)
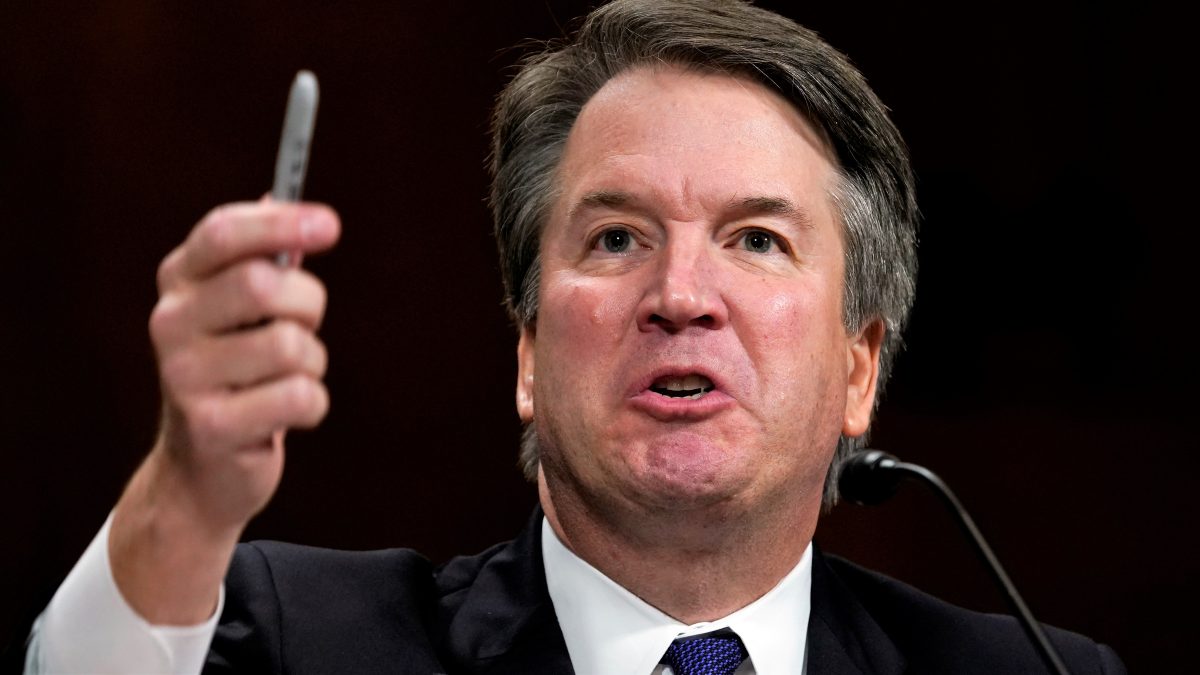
(713, 654)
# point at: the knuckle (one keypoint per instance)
(320, 358)
(288, 344)
(207, 422)
(178, 372)
(259, 283)
(168, 270)
(315, 298)
(165, 319)
(306, 399)
(322, 298)
(315, 402)
(215, 213)
(297, 393)
(214, 232)
(320, 293)
(321, 407)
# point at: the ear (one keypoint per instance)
(862, 374)
(525, 374)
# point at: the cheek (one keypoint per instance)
(774, 319)
(582, 325)
(579, 313)
(795, 336)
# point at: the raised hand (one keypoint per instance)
(240, 362)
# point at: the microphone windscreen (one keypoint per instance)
(869, 477)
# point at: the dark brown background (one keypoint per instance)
(1050, 372)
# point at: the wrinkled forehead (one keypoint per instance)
(619, 86)
(692, 136)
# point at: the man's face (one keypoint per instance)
(689, 350)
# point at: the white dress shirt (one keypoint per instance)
(89, 628)
(610, 631)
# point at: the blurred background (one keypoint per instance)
(1049, 376)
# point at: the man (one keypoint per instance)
(707, 228)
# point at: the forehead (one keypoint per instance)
(692, 139)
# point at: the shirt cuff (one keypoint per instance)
(89, 628)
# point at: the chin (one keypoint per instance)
(686, 473)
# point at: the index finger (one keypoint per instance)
(234, 232)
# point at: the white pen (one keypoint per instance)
(292, 160)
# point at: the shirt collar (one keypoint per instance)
(610, 630)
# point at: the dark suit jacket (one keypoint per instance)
(298, 609)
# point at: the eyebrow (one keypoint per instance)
(746, 207)
(610, 199)
(771, 206)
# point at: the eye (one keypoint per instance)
(616, 241)
(757, 241)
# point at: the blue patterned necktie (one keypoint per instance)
(717, 653)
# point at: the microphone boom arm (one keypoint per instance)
(870, 477)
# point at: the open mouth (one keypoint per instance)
(682, 386)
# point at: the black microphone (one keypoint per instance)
(870, 477)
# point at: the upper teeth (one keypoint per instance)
(686, 382)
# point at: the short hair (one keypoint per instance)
(874, 193)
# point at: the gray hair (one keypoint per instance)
(874, 194)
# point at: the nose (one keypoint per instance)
(684, 290)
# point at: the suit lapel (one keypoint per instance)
(507, 622)
(843, 639)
